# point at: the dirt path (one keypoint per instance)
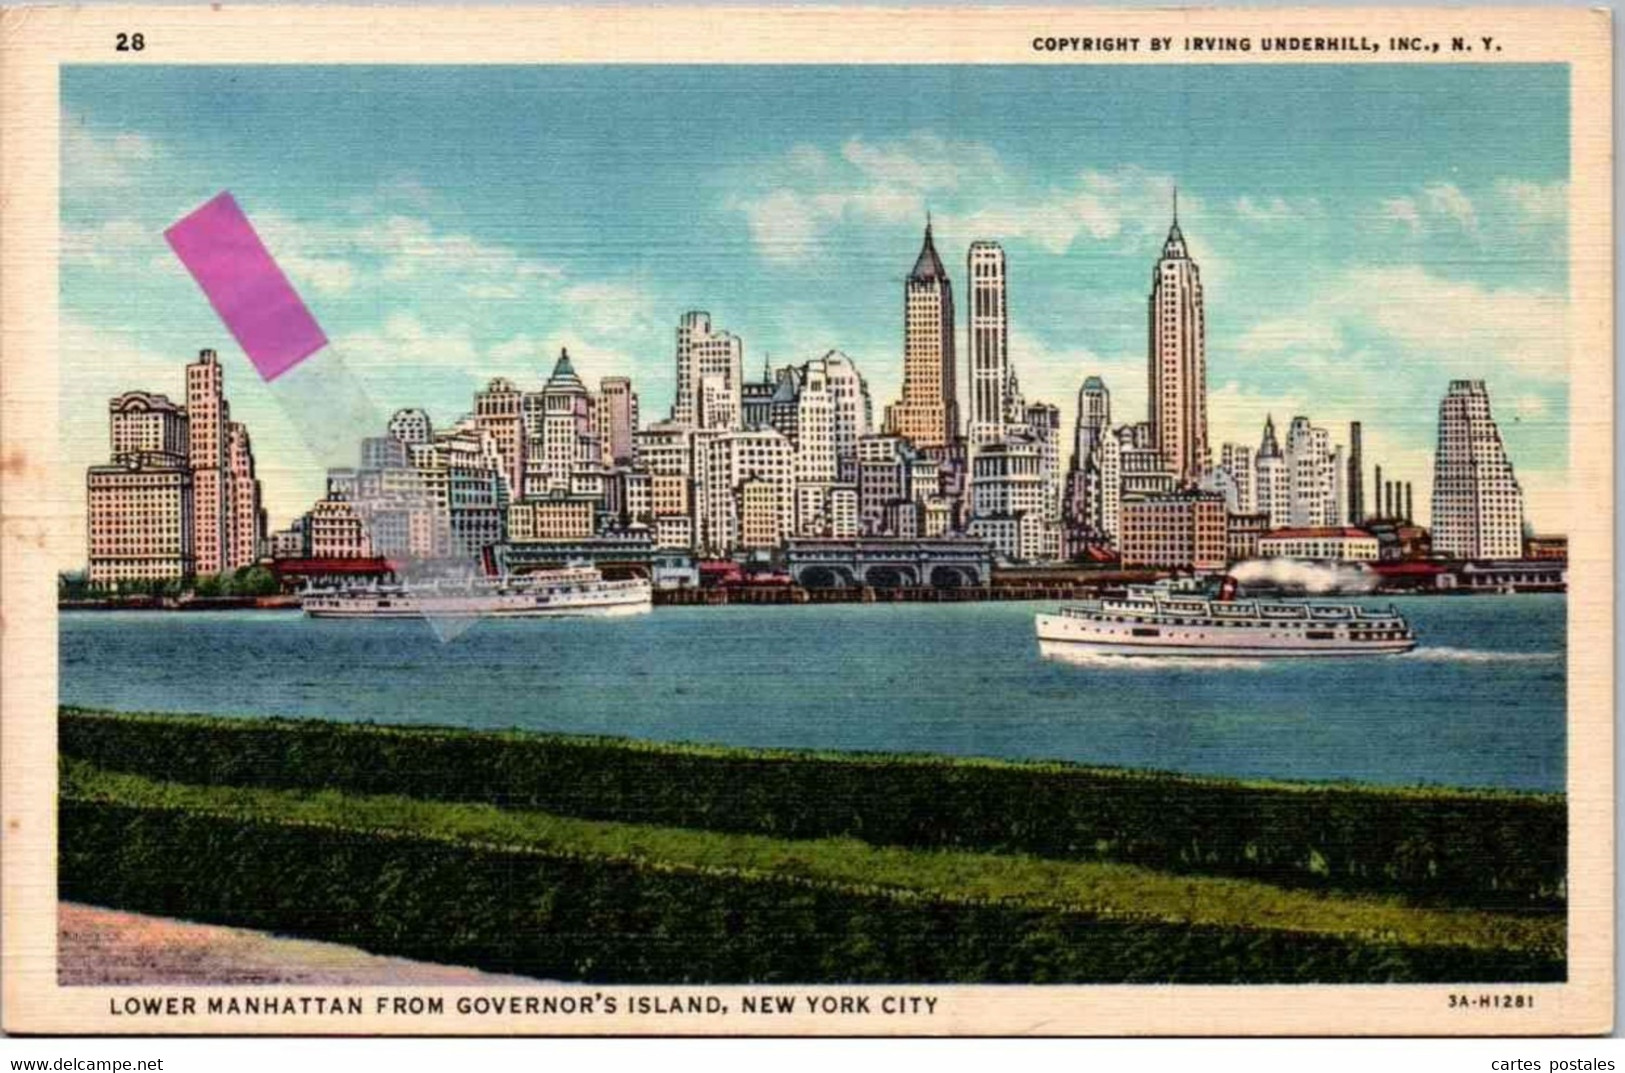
(107, 946)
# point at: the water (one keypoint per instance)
(1480, 704)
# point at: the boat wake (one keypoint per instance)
(1474, 655)
(1070, 655)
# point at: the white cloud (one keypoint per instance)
(491, 292)
(103, 245)
(400, 251)
(1509, 211)
(607, 306)
(1443, 327)
(1447, 199)
(1463, 325)
(1127, 204)
(808, 158)
(964, 184)
(405, 341)
(93, 159)
(1536, 203)
(1276, 210)
(784, 225)
(923, 162)
(1529, 406)
(1289, 334)
(411, 246)
(323, 275)
(1404, 210)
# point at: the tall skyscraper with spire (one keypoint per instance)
(1178, 359)
(988, 334)
(1272, 486)
(928, 412)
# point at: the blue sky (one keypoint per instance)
(1365, 233)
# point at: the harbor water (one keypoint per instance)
(1481, 702)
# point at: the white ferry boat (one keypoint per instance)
(575, 590)
(1151, 623)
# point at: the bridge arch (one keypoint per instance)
(891, 575)
(952, 576)
(824, 576)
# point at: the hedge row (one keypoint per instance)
(1477, 849)
(516, 910)
(1095, 888)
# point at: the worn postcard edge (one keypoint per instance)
(35, 42)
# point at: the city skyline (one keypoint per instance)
(1073, 312)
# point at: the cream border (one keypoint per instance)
(33, 42)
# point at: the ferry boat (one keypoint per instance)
(1147, 622)
(574, 590)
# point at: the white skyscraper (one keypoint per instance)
(747, 482)
(1094, 480)
(1094, 420)
(853, 412)
(988, 336)
(1043, 424)
(566, 420)
(1236, 459)
(1477, 503)
(1312, 474)
(1272, 483)
(710, 375)
(815, 428)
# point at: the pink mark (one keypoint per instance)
(220, 248)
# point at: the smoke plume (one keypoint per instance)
(1296, 574)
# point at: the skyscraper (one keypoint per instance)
(988, 335)
(1236, 459)
(139, 508)
(245, 515)
(1178, 360)
(566, 423)
(928, 412)
(854, 413)
(498, 409)
(1272, 481)
(1477, 503)
(1312, 467)
(710, 375)
(617, 415)
(1042, 423)
(181, 495)
(207, 415)
(1093, 480)
(1094, 420)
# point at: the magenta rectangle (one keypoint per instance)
(245, 285)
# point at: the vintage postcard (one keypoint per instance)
(807, 521)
